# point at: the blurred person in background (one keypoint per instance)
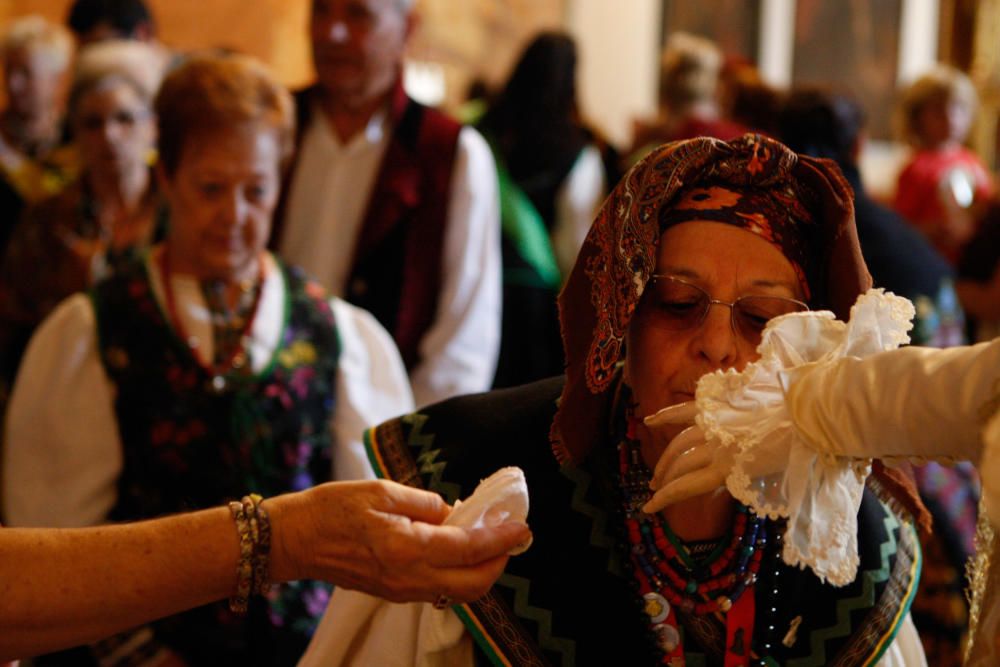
(552, 180)
(96, 20)
(105, 218)
(979, 276)
(203, 372)
(36, 56)
(689, 96)
(746, 99)
(816, 122)
(944, 183)
(393, 205)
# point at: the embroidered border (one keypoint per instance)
(489, 620)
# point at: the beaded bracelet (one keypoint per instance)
(244, 567)
(260, 526)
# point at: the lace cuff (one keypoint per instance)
(775, 471)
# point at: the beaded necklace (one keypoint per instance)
(669, 579)
(230, 328)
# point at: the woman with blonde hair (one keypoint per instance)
(203, 372)
(939, 186)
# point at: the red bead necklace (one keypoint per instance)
(237, 358)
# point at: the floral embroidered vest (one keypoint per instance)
(188, 446)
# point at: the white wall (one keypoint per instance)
(619, 47)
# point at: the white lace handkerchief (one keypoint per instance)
(818, 494)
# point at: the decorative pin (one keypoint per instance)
(793, 631)
(668, 637)
(219, 384)
(657, 607)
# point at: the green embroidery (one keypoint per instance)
(599, 536)
(543, 617)
(426, 459)
(845, 606)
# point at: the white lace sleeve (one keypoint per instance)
(818, 493)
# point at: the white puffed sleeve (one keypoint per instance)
(62, 452)
(372, 387)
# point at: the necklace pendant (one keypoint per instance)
(667, 637)
(657, 607)
(219, 384)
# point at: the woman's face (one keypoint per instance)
(663, 366)
(941, 121)
(221, 197)
(113, 127)
(32, 81)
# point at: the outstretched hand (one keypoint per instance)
(384, 539)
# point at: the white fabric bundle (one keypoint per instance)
(359, 629)
(775, 471)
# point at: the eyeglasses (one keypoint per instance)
(676, 305)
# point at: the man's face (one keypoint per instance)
(358, 47)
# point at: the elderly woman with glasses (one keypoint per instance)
(108, 216)
(206, 371)
(696, 250)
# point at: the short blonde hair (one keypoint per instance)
(940, 84)
(136, 63)
(35, 33)
(213, 91)
(689, 70)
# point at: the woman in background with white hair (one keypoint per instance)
(109, 214)
(36, 55)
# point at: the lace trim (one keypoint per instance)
(819, 493)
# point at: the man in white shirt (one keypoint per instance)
(393, 205)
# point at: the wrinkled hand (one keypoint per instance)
(691, 465)
(383, 538)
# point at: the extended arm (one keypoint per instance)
(64, 587)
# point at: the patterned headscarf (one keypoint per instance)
(778, 215)
(619, 255)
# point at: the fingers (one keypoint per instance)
(695, 484)
(682, 413)
(464, 584)
(452, 546)
(691, 460)
(460, 563)
(685, 440)
(415, 504)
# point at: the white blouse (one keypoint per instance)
(62, 452)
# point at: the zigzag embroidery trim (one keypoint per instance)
(865, 598)
(543, 617)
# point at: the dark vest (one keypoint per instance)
(570, 600)
(186, 446)
(397, 268)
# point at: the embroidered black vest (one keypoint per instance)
(570, 599)
(189, 446)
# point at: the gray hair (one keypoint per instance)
(34, 32)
